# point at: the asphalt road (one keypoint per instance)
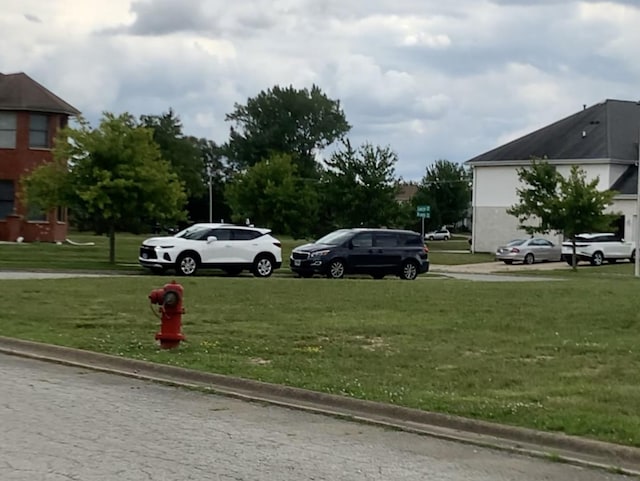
(64, 423)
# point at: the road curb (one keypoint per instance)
(558, 447)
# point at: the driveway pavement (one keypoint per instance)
(499, 267)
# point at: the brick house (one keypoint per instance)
(30, 117)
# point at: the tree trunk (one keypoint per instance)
(574, 259)
(112, 244)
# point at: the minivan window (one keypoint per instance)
(386, 240)
(412, 240)
(364, 239)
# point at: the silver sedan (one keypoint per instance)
(529, 251)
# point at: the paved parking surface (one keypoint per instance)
(62, 423)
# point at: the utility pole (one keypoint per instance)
(637, 235)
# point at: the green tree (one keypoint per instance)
(285, 120)
(446, 188)
(359, 187)
(112, 176)
(271, 193)
(182, 152)
(549, 202)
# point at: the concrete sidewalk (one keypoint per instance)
(557, 447)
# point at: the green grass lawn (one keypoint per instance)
(558, 356)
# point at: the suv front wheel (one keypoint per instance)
(187, 264)
(409, 271)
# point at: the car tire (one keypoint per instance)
(408, 271)
(597, 258)
(508, 262)
(158, 270)
(232, 271)
(263, 266)
(187, 264)
(446, 237)
(336, 269)
(431, 238)
(529, 259)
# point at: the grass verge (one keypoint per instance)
(558, 356)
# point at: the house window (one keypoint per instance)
(39, 131)
(6, 198)
(36, 213)
(7, 130)
(61, 214)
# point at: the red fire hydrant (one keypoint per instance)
(169, 298)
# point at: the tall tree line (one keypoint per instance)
(271, 170)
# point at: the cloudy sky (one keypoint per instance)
(433, 79)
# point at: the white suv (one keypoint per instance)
(223, 246)
(597, 248)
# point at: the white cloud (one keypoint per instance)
(431, 79)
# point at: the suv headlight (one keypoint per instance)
(319, 253)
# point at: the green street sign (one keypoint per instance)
(423, 211)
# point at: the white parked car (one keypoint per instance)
(597, 248)
(440, 234)
(228, 247)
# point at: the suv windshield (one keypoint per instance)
(193, 232)
(335, 238)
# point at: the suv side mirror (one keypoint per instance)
(211, 239)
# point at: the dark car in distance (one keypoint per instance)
(376, 252)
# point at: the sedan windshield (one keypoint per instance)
(335, 238)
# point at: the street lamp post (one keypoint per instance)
(210, 196)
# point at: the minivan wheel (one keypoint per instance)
(597, 259)
(409, 271)
(187, 264)
(336, 269)
(263, 266)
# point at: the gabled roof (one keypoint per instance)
(608, 130)
(18, 91)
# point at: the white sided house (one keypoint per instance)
(602, 140)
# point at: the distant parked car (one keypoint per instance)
(228, 247)
(376, 252)
(597, 248)
(529, 251)
(440, 234)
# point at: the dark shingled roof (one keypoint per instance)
(608, 130)
(18, 91)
